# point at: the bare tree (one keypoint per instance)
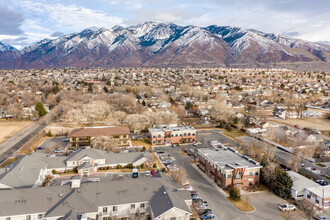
(287, 215)
(307, 209)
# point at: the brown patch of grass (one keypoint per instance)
(144, 142)
(234, 133)
(32, 144)
(241, 204)
(9, 128)
(8, 161)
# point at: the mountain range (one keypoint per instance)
(155, 44)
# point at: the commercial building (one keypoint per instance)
(227, 167)
(304, 188)
(172, 135)
(141, 198)
(82, 137)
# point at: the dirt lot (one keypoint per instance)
(9, 128)
(321, 124)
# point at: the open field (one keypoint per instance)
(314, 123)
(9, 128)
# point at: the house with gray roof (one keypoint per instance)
(142, 198)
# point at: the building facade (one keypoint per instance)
(172, 135)
(83, 137)
(226, 167)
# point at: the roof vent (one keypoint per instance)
(164, 193)
(60, 195)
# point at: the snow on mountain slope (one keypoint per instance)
(155, 43)
(6, 47)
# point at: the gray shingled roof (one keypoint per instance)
(24, 172)
(92, 195)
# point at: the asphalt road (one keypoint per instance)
(15, 142)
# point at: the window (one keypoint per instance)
(142, 205)
(158, 142)
(185, 134)
(132, 206)
(250, 174)
(224, 175)
(250, 183)
(308, 196)
(180, 135)
(256, 183)
(176, 135)
(238, 176)
(172, 135)
(189, 134)
(173, 218)
(116, 136)
(154, 136)
(39, 216)
(193, 134)
(105, 209)
(257, 173)
(229, 176)
(220, 171)
(115, 208)
(28, 217)
(159, 135)
(154, 142)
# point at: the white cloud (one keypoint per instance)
(71, 17)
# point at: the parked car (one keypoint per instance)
(153, 172)
(322, 182)
(207, 211)
(319, 217)
(193, 193)
(174, 145)
(194, 144)
(58, 151)
(207, 216)
(205, 203)
(160, 152)
(201, 207)
(147, 173)
(66, 139)
(194, 196)
(287, 207)
(167, 162)
(188, 187)
(40, 148)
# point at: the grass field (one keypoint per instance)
(314, 123)
(9, 128)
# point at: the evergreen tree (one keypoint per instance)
(40, 109)
(105, 89)
(283, 184)
(90, 87)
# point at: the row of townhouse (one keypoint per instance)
(226, 167)
(142, 198)
(172, 135)
(31, 170)
(82, 137)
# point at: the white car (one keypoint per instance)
(66, 139)
(147, 173)
(188, 187)
(287, 207)
(58, 151)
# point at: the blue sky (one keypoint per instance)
(23, 22)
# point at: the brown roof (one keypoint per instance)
(99, 131)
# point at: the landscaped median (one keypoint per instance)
(235, 198)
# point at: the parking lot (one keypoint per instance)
(53, 143)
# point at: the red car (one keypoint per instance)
(153, 172)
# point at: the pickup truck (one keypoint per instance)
(287, 207)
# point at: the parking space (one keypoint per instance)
(267, 206)
(206, 136)
(50, 145)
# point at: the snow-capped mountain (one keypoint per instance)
(155, 44)
(6, 47)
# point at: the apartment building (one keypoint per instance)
(227, 167)
(82, 137)
(142, 198)
(31, 170)
(172, 135)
